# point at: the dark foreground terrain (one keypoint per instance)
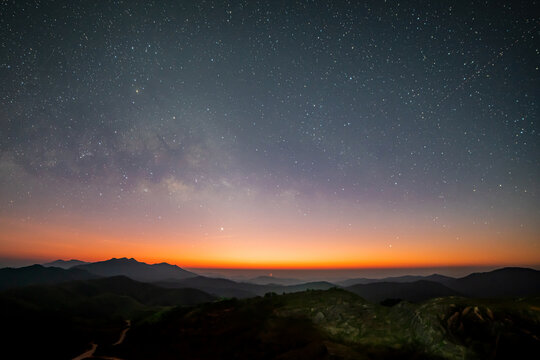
(336, 324)
(61, 322)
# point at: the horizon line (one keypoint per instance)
(32, 261)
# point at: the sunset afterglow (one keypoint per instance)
(216, 137)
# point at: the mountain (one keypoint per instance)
(505, 282)
(38, 274)
(136, 270)
(229, 288)
(65, 264)
(411, 291)
(397, 279)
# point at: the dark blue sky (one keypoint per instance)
(148, 111)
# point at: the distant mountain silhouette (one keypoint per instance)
(38, 275)
(411, 291)
(65, 264)
(230, 288)
(136, 270)
(397, 279)
(505, 282)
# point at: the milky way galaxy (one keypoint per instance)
(271, 134)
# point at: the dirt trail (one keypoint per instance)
(90, 353)
(87, 354)
(123, 334)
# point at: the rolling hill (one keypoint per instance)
(59, 321)
(229, 288)
(411, 291)
(396, 279)
(38, 274)
(504, 282)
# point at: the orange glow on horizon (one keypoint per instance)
(302, 250)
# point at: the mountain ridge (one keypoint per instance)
(136, 270)
(415, 291)
(502, 282)
(65, 264)
(39, 275)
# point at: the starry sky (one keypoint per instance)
(271, 133)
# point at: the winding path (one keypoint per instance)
(87, 354)
(123, 334)
(90, 353)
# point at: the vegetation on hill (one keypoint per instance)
(336, 324)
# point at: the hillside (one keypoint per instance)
(229, 288)
(504, 282)
(59, 321)
(336, 324)
(38, 274)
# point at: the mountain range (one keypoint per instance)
(411, 291)
(396, 279)
(136, 270)
(501, 283)
(38, 274)
(62, 312)
(504, 282)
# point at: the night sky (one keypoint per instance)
(271, 134)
